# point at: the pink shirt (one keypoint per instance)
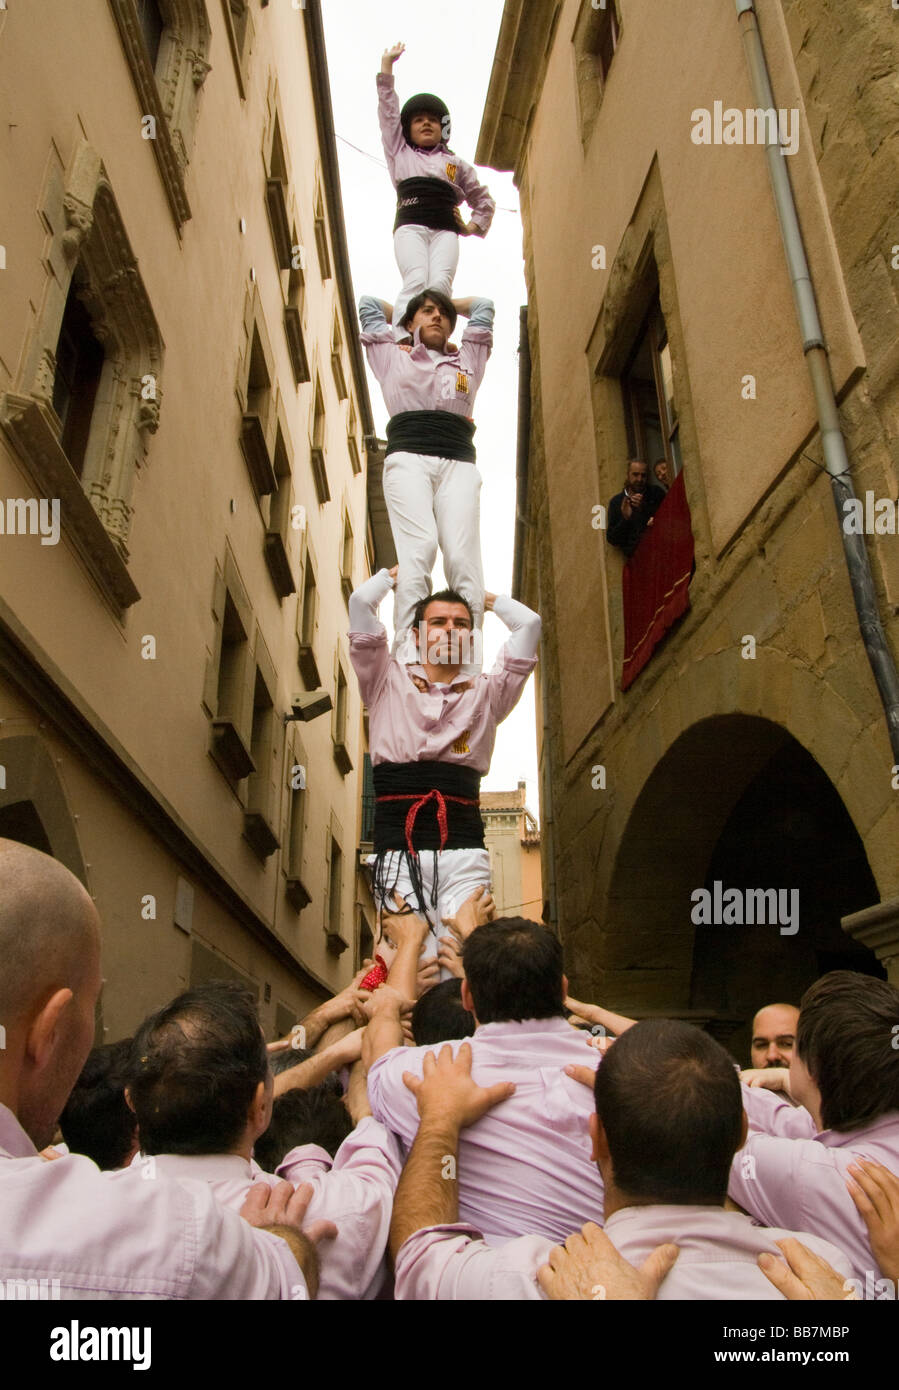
(801, 1181)
(101, 1238)
(717, 1260)
(355, 1191)
(526, 1165)
(405, 161)
(424, 378)
(453, 723)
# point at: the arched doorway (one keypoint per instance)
(34, 808)
(789, 830)
(35, 811)
(735, 799)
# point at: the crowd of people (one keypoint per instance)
(452, 1124)
(487, 1137)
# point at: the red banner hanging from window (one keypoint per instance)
(655, 582)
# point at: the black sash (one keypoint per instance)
(437, 432)
(427, 805)
(425, 202)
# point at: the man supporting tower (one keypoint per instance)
(431, 481)
(431, 733)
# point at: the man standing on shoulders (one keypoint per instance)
(431, 733)
(431, 482)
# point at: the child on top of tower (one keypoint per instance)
(431, 181)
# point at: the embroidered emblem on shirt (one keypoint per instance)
(461, 744)
(462, 383)
(451, 172)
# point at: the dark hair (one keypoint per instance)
(288, 1057)
(514, 971)
(846, 1038)
(441, 596)
(440, 1015)
(418, 301)
(97, 1120)
(316, 1116)
(292, 1057)
(194, 1068)
(669, 1100)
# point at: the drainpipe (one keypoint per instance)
(836, 459)
(523, 449)
(522, 522)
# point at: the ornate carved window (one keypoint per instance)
(166, 43)
(88, 394)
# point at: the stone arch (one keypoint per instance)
(850, 745)
(33, 801)
(721, 729)
(34, 810)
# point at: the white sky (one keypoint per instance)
(452, 58)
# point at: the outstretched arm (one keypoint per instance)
(311, 1073)
(448, 1101)
(523, 623)
(392, 137)
(364, 602)
(408, 931)
(385, 1029)
(615, 1024)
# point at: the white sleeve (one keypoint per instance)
(364, 602)
(523, 623)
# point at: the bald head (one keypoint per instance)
(49, 985)
(49, 930)
(773, 1035)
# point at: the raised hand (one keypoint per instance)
(390, 56)
(446, 1091)
(473, 912)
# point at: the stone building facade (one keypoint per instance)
(752, 749)
(184, 437)
(512, 837)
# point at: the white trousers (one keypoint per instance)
(459, 873)
(427, 260)
(433, 501)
